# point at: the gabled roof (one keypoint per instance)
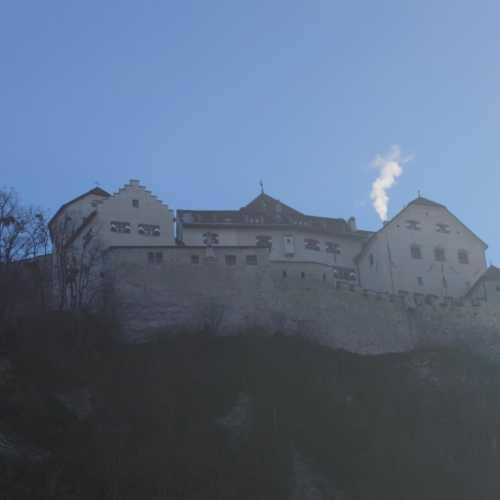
(264, 203)
(271, 213)
(420, 200)
(96, 191)
(491, 274)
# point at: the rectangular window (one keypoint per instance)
(420, 281)
(332, 247)
(302, 274)
(230, 260)
(416, 251)
(443, 228)
(251, 260)
(413, 224)
(463, 257)
(119, 227)
(151, 257)
(148, 229)
(372, 260)
(210, 238)
(195, 259)
(311, 244)
(439, 254)
(158, 257)
(264, 241)
(135, 203)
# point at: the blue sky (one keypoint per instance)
(200, 100)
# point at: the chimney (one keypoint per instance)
(352, 224)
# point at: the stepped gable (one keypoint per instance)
(136, 185)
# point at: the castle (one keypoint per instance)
(268, 264)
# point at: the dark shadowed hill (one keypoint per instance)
(247, 417)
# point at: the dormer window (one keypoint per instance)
(135, 203)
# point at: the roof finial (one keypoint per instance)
(419, 194)
(261, 183)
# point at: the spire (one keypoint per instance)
(261, 184)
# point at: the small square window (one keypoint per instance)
(416, 251)
(463, 257)
(251, 260)
(135, 203)
(230, 260)
(439, 254)
(420, 281)
(195, 259)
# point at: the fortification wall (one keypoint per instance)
(186, 288)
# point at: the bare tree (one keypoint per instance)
(77, 262)
(23, 240)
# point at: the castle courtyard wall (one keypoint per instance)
(194, 287)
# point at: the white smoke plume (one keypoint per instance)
(390, 167)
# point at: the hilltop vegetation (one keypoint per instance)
(247, 417)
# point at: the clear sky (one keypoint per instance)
(202, 99)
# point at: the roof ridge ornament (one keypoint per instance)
(261, 184)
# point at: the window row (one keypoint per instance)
(440, 254)
(142, 229)
(266, 241)
(230, 260)
(416, 225)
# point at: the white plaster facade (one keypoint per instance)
(130, 217)
(423, 249)
(287, 245)
(487, 287)
(134, 217)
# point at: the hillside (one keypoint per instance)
(246, 417)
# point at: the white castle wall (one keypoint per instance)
(293, 298)
(393, 245)
(149, 210)
(348, 246)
